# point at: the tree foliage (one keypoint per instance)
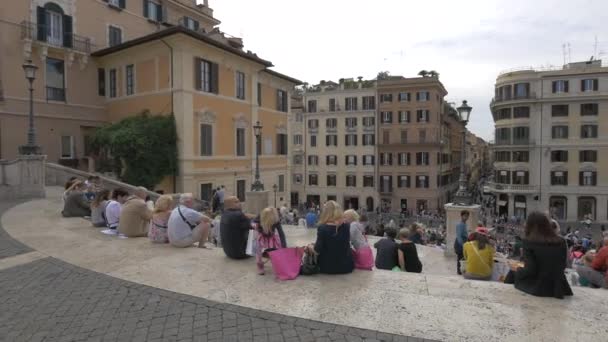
(141, 149)
(383, 75)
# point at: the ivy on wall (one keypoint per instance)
(141, 149)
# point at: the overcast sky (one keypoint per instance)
(468, 42)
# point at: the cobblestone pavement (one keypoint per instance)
(50, 300)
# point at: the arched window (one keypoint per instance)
(54, 27)
(558, 207)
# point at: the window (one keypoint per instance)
(521, 112)
(281, 183)
(368, 159)
(502, 177)
(332, 105)
(282, 101)
(67, 147)
(521, 156)
(112, 77)
(386, 159)
(331, 180)
(350, 160)
(589, 85)
(423, 96)
(282, 144)
(313, 179)
(422, 158)
(331, 140)
(369, 102)
(297, 178)
(350, 140)
(206, 192)
(368, 140)
(520, 134)
(502, 156)
(559, 156)
(559, 110)
(588, 109)
(369, 121)
(299, 117)
(114, 35)
(588, 131)
(206, 140)
(587, 178)
(297, 139)
(422, 115)
(560, 86)
(190, 23)
(54, 27)
(386, 117)
(404, 137)
(240, 85)
(522, 90)
(404, 97)
(130, 79)
(386, 137)
(55, 79)
(503, 135)
(559, 177)
(153, 11)
(240, 189)
(422, 181)
(350, 122)
(503, 114)
(422, 135)
(404, 116)
(350, 103)
(101, 82)
(386, 98)
(313, 141)
(587, 156)
(368, 181)
(559, 132)
(351, 180)
(297, 159)
(331, 159)
(404, 158)
(386, 183)
(207, 76)
(520, 177)
(313, 124)
(313, 160)
(331, 124)
(312, 106)
(403, 182)
(240, 142)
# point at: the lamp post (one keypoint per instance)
(257, 130)
(462, 195)
(30, 74)
(275, 188)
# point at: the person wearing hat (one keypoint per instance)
(479, 256)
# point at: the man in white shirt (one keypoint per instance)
(112, 213)
(186, 225)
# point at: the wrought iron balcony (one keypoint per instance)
(41, 33)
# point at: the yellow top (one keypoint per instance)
(479, 261)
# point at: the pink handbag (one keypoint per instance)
(364, 258)
(286, 262)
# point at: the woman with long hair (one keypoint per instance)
(544, 258)
(98, 208)
(267, 237)
(157, 231)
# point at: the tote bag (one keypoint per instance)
(364, 258)
(251, 243)
(286, 262)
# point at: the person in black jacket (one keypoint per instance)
(235, 229)
(544, 257)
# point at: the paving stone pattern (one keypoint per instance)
(9, 246)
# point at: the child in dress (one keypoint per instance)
(267, 237)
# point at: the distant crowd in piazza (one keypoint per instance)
(341, 245)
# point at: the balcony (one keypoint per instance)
(514, 143)
(509, 188)
(329, 129)
(39, 33)
(516, 97)
(351, 129)
(55, 94)
(369, 128)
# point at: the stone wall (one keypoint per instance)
(23, 177)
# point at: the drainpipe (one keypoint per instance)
(172, 108)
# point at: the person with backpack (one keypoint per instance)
(479, 256)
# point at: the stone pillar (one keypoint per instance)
(256, 201)
(452, 218)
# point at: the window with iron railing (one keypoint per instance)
(55, 79)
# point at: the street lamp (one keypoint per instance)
(30, 74)
(462, 195)
(257, 130)
(275, 188)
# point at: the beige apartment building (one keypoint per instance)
(551, 144)
(101, 61)
(418, 144)
(334, 145)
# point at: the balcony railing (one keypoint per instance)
(369, 128)
(55, 94)
(512, 187)
(34, 32)
(515, 97)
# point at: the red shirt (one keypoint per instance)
(600, 262)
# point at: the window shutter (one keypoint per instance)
(164, 14)
(582, 85)
(285, 109)
(67, 31)
(279, 102)
(41, 22)
(146, 9)
(390, 159)
(566, 86)
(355, 142)
(197, 74)
(122, 4)
(595, 84)
(159, 13)
(101, 82)
(417, 96)
(580, 178)
(553, 86)
(215, 78)
(594, 178)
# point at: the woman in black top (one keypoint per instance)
(544, 256)
(407, 255)
(333, 242)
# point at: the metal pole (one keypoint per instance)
(31, 133)
(275, 197)
(462, 185)
(257, 159)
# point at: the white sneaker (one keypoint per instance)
(109, 232)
